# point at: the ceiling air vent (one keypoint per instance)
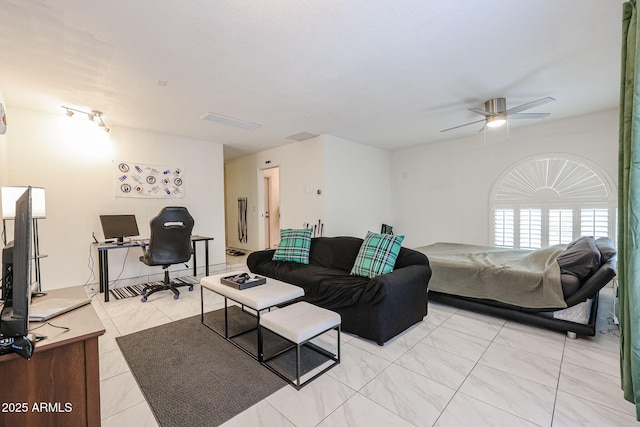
(230, 121)
(301, 136)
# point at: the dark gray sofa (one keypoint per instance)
(377, 309)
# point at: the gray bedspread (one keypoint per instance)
(524, 278)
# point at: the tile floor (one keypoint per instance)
(456, 368)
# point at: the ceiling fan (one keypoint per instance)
(495, 112)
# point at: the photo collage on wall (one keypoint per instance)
(147, 181)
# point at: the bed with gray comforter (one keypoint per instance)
(531, 286)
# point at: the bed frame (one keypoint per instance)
(530, 316)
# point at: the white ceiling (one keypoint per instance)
(390, 74)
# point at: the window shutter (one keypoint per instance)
(551, 200)
(531, 228)
(560, 226)
(504, 228)
(594, 222)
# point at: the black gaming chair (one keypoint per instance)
(170, 243)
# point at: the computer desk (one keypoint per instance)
(105, 248)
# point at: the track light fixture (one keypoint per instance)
(93, 115)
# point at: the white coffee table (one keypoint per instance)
(257, 298)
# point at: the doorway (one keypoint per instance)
(271, 203)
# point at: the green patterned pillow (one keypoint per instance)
(294, 245)
(377, 255)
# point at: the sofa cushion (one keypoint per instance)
(336, 253)
(294, 245)
(328, 288)
(581, 258)
(377, 255)
(275, 269)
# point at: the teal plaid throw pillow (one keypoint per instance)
(377, 255)
(294, 245)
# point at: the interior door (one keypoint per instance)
(267, 222)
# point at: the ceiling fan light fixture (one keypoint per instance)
(496, 112)
(496, 121)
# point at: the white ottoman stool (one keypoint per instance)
(299, 323)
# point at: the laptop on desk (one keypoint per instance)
(45, 309)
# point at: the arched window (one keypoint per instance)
(550, 200)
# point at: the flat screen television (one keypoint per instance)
(14, 318)
(7, 271)
(119, 226)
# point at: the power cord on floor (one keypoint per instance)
(613, 328)
(612, 331)
(92, 276)
(124, 263)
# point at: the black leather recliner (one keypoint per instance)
(170, 243)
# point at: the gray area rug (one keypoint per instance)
(192, 377)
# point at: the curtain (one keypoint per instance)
(629, 207)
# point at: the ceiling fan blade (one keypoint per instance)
(483, 112)
(528, 105)
(466, 124)
(528, 115)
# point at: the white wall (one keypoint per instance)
(354, 181)
(440, 192)
(357, 187)
(72, 159)
(301, 168)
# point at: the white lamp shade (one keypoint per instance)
(10, 196)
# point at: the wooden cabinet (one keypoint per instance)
(60, 385)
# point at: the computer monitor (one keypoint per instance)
(119, 226)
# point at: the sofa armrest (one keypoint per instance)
(409, 280)
(259, 257)
(403, 302)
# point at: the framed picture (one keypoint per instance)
(147, 181)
